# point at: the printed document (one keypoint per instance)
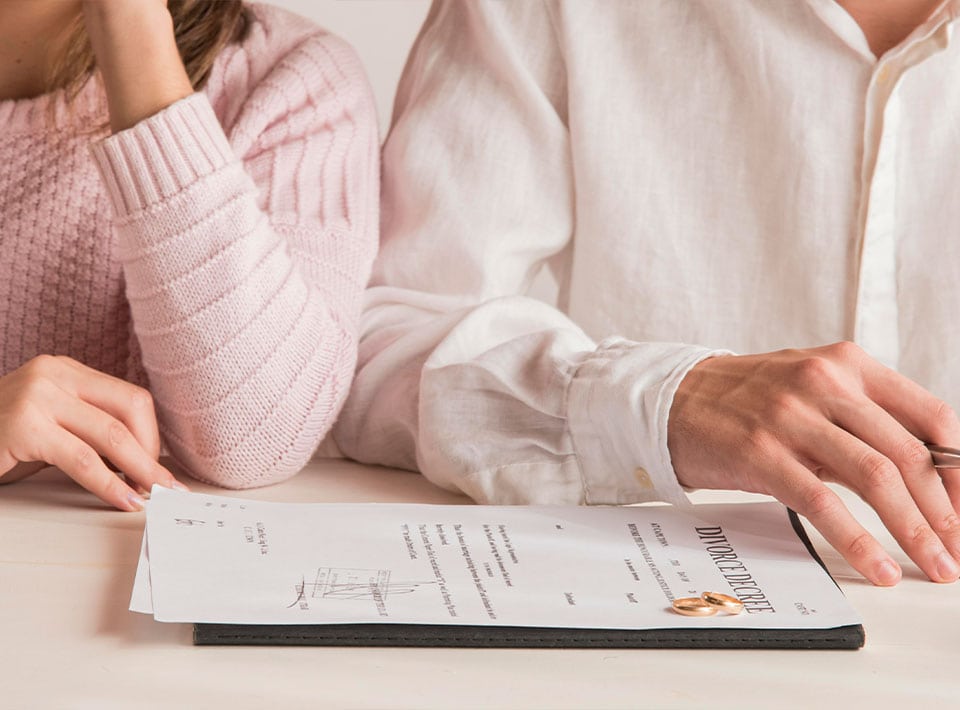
(218, 559)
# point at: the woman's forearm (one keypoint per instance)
(137, 56)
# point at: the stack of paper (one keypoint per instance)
(213, 559)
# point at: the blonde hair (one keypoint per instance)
(202, 29)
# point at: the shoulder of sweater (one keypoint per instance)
(284, 61)
(275, 33)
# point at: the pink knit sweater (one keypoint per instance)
(215, 252)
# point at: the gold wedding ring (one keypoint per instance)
(723, 602)
(693, 606)
(707, 604)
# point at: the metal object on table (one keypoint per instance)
(693, 606)
(723, 602)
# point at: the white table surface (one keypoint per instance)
(68, 641)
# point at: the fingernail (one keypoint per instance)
(947, 567)
(887, 573)
(136, 501)
(179, 486)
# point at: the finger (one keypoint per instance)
(921, 413)
(78, 460)
(801, 490)
(878, 481)
(868, 422)
(111, 439)
(130, 404)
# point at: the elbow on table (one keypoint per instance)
(258, 445)
(241, 473)
(264, 457)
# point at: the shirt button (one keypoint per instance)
(883, 76)
(643, 479)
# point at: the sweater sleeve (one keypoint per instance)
(244, 271)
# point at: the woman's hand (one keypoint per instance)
(55, 410)
(783, 423)
(137, 55)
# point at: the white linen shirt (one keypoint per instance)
(701, 176)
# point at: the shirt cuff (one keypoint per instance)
(162, 155)
(618, 405)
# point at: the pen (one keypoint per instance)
(944, 456)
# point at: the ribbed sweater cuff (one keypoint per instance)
(161, 155)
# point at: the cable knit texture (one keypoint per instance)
(218, 257)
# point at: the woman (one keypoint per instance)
(188, 212)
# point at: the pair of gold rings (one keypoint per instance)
(707, 604)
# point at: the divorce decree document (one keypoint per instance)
(217, 559)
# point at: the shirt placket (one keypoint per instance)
(876, 327)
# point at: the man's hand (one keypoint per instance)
(55, 410)
(783, 423)
(137, 55)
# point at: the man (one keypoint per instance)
(744, 176)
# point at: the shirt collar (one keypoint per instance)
(846, 28)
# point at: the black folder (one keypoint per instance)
(449, 635)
